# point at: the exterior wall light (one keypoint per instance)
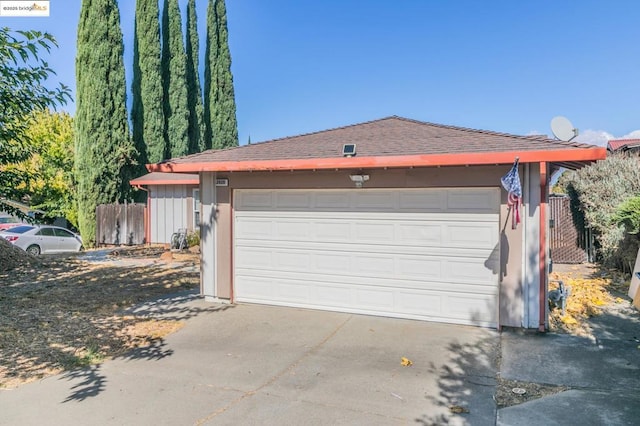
(359, 179)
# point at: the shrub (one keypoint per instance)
(193, 238)
(596, 192)
(628, 215)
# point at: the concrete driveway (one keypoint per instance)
(251, 364)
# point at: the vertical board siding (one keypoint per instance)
(168, 211)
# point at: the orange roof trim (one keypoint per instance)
(166, 179)
(425, 160)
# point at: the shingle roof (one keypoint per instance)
(616, 144)
(381, 141)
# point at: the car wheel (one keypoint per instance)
(33, 250)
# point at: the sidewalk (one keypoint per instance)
(602, 372)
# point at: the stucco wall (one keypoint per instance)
(511, 299)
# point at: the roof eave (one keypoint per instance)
(165, 179)
(568, 156)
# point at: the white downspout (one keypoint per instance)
(525, 254)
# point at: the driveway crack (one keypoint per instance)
(273, 379)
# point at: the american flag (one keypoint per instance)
(511, 183)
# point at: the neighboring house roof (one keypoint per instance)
(19, 206)
(387, 142)
(622, 144)
(166, 179)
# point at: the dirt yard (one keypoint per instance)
(61, 312)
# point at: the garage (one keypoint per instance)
(392, 217)
(428, 253)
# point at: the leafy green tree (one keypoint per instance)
(196, 110)
(105, 155)
(596, 192)
(219, 104)
(628, 215)
(174, 76)
(147, 113)
(22, 90)
(48, 172)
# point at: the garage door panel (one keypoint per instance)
(255, 200)
(472, 200)
(292, 200)
(372, 201)
(420, 268)
(253, 257)
(332, 201)
(477, 235)
(290, 230)
(420, 234)
(288, 260)
(337, 231)
(293, 292)
(382, 265)
(373, 232)
(385, 264)
(424, 254)
(337, 263)
(465, 271)
(418, 304)
(463, 305)
(375, 298)
(255, 228)
(354, 263)
(312, 279)
(378, 231)
(431, 201)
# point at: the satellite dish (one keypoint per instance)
(563, 129)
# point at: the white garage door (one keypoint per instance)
(428, 254)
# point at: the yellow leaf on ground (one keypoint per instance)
(456, 409)
(405, 362)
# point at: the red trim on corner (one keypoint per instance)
(399, 161)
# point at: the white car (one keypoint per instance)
(41, 239)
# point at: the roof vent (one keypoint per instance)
(348, 149)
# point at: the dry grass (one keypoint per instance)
(63, 313)
(591, 290)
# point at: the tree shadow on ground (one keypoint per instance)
(93, 381)
(466, 383)
(62, 314)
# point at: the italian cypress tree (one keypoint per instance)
(219, 104)
(104, 151)
(196, 110)
(174, 77)
(147, 114)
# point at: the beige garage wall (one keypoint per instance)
(510, 268)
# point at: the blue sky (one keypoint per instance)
(508, 66)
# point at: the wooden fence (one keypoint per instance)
(120, 224)
(567, 242)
